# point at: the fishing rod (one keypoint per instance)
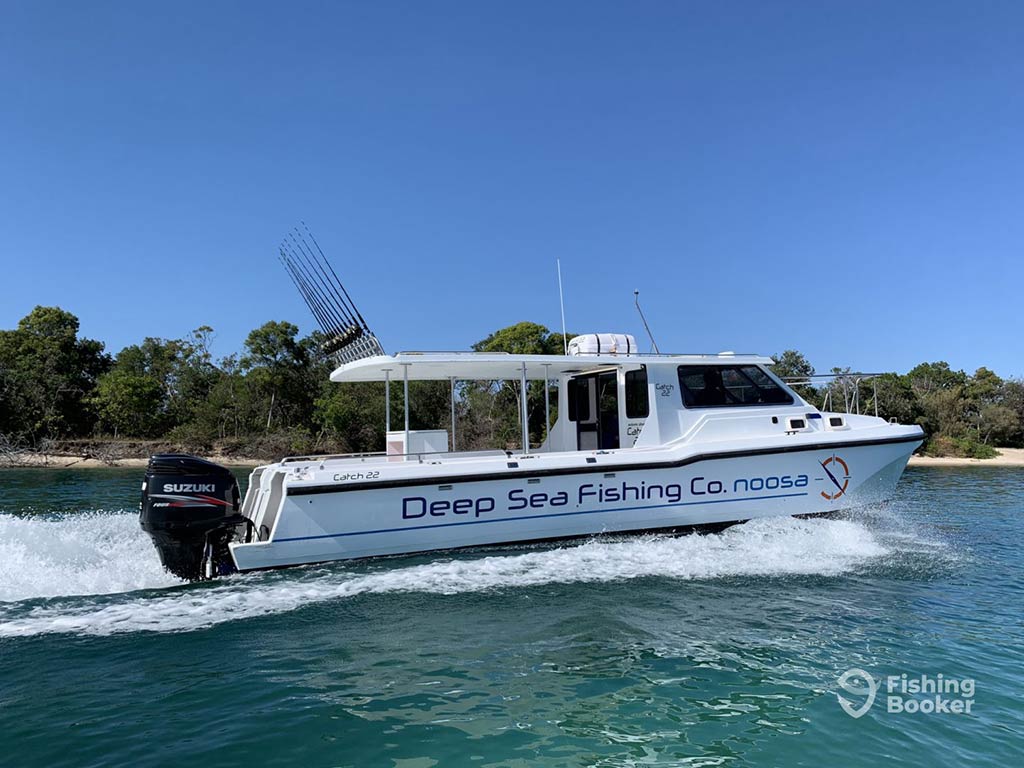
(320, 275)
(329, 320)
(318, 280)
(348, 336)
(340, 318)
(340, 284)
(315, 306)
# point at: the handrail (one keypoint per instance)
(324, 456)
(849, 382)
(418, 454)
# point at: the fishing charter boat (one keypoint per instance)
(638, 443)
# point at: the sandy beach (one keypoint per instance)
(1008, 457)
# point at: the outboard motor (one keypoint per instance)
(190, 509)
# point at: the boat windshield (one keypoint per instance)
(722, 386)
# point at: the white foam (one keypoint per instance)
(776, 547)
(80, 554)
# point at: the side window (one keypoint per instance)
(723, 386)
(637, 406)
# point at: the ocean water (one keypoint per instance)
(711, 650)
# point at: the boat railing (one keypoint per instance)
(839, 387)
(326, 456)
(420, 456)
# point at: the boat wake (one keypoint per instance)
(61, 575)
(88, 553)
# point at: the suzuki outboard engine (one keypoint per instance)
(190, 509)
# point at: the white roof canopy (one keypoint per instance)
(489, 366)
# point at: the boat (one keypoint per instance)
(632, 442)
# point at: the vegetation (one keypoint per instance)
(274, 396)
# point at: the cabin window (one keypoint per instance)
(637, 406)
(721, 386)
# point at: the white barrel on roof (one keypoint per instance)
(603, 344)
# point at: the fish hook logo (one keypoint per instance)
(839, 477)
(849, 682)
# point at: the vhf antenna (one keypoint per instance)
(561, 305)
(636, 299)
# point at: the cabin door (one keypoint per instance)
(596, 401)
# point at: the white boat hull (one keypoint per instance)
(358, 518)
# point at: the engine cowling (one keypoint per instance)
(190, 510)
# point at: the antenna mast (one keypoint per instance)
(636, 299)
(561, 304)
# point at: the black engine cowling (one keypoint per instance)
(190, 509)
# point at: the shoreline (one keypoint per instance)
(1008, 457)
(64, 461)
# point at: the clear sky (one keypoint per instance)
(844, 178)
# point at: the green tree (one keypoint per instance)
(491, 409)
(129, 403)
(997, 425)
(280, 368)
(351, 416)
(181, 371)
(1013, 398)
(791, 366)
(927, 378)
(522, 339)
(984, 387)
(47, 376)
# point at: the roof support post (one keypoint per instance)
(387, 402)
(522, 404)
(547, 404)
(453, 413)
(405, 384)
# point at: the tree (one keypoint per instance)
(1013, 398)
(47, 375)
(998, 425)
(279, 366)
(352, 416)
(793, 365)
(522, 339)
(927, 378)
(129, 403)
(984, 387)
(492, 413)
(180, 370)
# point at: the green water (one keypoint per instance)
(700, 650)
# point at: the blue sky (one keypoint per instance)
(844, 178)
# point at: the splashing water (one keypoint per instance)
(102, 554)
(77, 554)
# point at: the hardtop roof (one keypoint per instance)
(494, 366)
